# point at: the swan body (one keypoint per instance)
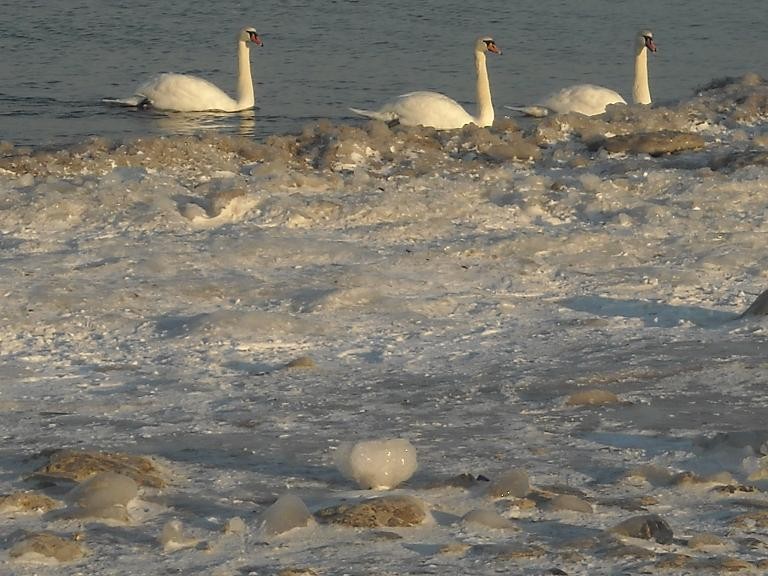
(437, 110)
(186, 93)
(589, 99)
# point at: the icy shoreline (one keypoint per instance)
(238, 309)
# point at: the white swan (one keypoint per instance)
(589, 99)
(184, 93)
(438, 110)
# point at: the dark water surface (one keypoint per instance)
(321, 57)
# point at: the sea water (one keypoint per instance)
(320, 58)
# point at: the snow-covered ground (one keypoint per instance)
(238, 309)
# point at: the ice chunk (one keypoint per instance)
(172, 537)
(489, 519)
(377, 464)
(104, 490)
(287, 513)
(234, 525)
(105, 495)
(513, 483)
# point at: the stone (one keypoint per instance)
(45, 546)
(652, 143)
(672, 561)
(521, 552)
(593, 397)
(570, 502)
(78, 465)
(647, 527)
(751, 520)
(27, 502)
(455, 549)
(386, 511)
(305, 362)
(703, 541)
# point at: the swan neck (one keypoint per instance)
(641, 92)
(485, 113)
(245, 97)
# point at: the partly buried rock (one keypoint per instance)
(592, 397)
(386, 511)
(647, 527)
(653, 143)
(27, 502)
(305, 362)
(44, 547)
(80, 465)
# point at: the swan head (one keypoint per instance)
(487, 44)
(249, 35)
(645, 40)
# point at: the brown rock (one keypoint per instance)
(594, 397)
(301, 362)
(48, 545)
(653, 143)
(671, 561)
(385, 511)
(455, 549)
(726, 564)
(632, 504)
(77, 466)
(701, 541)
(751, 520)
(521, 552)
(27, 502)
(647, 527)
